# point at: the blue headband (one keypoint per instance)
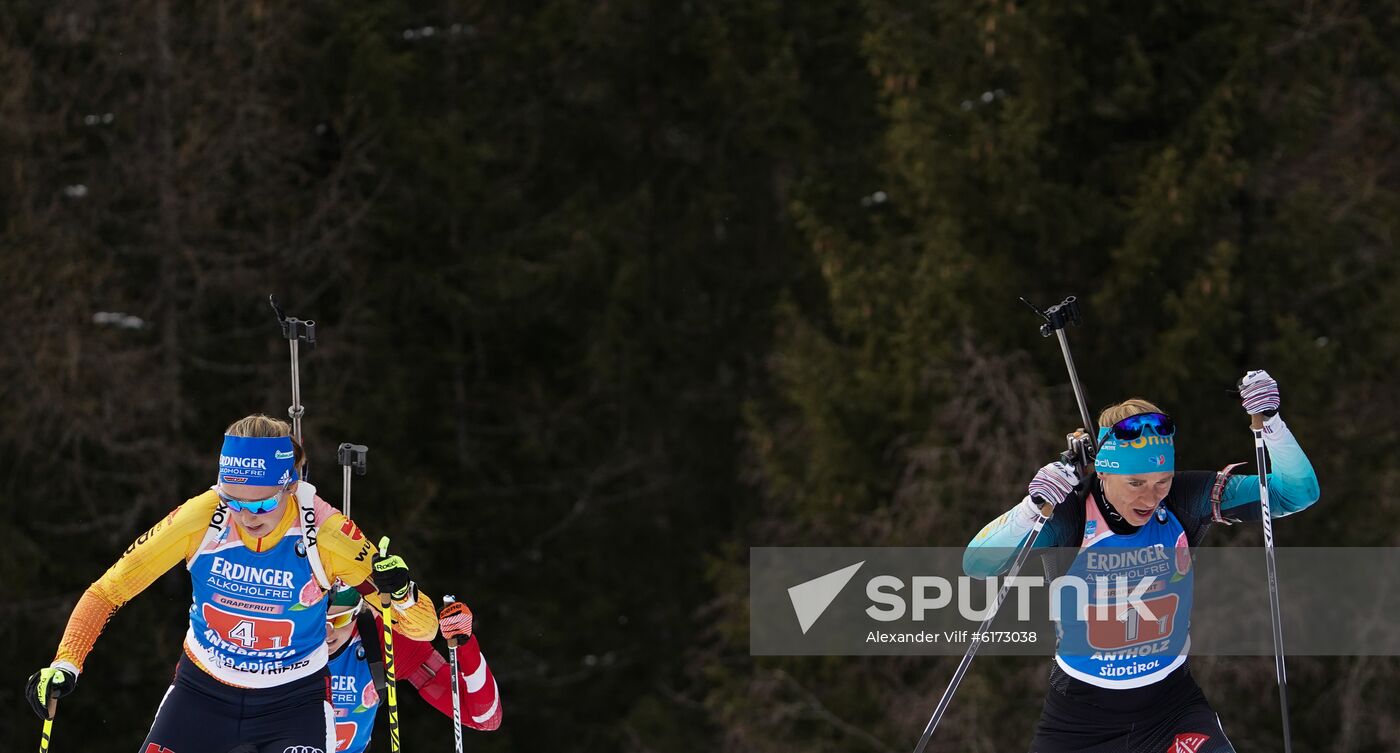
(1148, 453)
(257, 461)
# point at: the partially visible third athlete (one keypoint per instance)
(354, 634)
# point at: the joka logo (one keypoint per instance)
(1188, 743)
(812, 598)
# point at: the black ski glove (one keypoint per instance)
(391, 573)
(49, 683)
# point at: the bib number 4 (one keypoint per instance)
(247, 635)
(251, 633)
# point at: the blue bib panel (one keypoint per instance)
(354, 696)
(257, 618)
(1137, 588)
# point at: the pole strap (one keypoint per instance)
(1217, 494)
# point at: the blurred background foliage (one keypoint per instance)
(616, 290)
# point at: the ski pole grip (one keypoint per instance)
(1256, 421)
(53, 707)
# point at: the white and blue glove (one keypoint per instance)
(1259, 393)
(1054, 483)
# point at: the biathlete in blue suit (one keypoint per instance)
(1124, 685)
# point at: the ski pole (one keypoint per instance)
(1056, 318)
(351, 457)
(447, 604)
(1073, 454)
(986, 623)
(1261, 457)
(295, 331)
(48, 726)
(386, 609)
(1082, 448)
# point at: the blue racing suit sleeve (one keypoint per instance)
(994, 547)
(1292, 482)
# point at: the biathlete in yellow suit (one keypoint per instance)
(253, 674)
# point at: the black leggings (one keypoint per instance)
(202, 715)
(1169, 716)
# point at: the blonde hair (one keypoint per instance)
(258, 425)
(1130, 407)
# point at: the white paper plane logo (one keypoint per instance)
(812, 598)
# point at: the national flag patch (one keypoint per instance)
(1189, 742)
